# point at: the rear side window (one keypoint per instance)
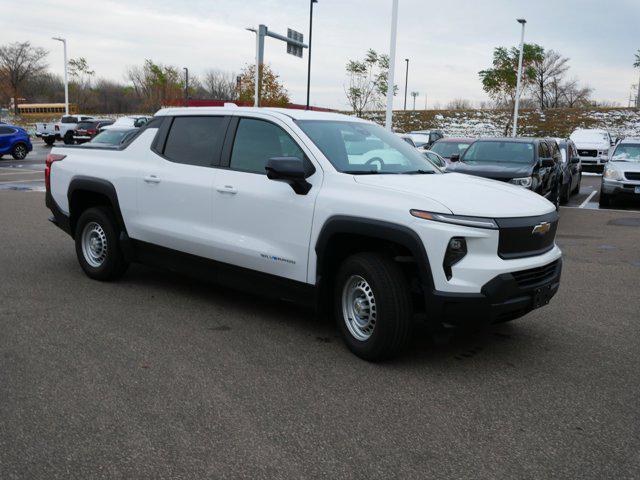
(195, 140)
(543, 150)
(6, 131)
(69, 120)
(257, 141)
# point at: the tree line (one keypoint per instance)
(24, 74)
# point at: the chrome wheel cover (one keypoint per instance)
(359, 307)
(94, 244)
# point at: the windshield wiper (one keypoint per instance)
(422, 172)
(363, 172)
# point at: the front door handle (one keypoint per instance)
(227, 189)
(151, 179)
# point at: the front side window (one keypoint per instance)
(543, 150)
(257, 141)
(195, 140)
(6, 131)
(626, 152)
(492, 151)
(364, 148)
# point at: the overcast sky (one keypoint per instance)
(447, 42)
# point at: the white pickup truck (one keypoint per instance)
(318, 208)
(62, 130)
(593, 146)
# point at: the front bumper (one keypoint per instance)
(506, 297)
(620, 187)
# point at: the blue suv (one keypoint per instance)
(14, 141)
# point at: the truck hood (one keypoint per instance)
(505, 170)
(464, 194)
(586, 145)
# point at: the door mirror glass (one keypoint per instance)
(455, 157)
(290, 170)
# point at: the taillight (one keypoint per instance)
(52, 157)
(92, 132)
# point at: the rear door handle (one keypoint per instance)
(227, 189)
(151, 179)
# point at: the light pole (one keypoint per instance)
(406, 82)
(414, 95)
(186, 86)
(66, 75)
(522, 22)
(392, 61)
(309, 61)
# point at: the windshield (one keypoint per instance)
(627, 153)
(499, 152)
(363, 148)
(446, 149)
(111, 137)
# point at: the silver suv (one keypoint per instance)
(622, 174)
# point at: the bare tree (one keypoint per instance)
(549, 67)
(220, 85)
(575, 95)
(460, 104)
(18, 63)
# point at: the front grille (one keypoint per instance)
(535, 276)
(588, 153)
(632, 175)
(518, 239)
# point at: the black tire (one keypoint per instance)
(564, 194)
(605, 200)
(577, 189)
(113, 264)
(49, 140)
(391, 303)
(68, 138)
(19, 151)
(555, 196)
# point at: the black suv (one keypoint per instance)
(532, 163)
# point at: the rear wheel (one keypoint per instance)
(564, 194)
(19, 151)
(373, 306)
(49, 140)
(577, 189)
(68, 138)
(97, 245)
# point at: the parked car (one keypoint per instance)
(14, 141)
(62, 130)
(135, 121)
(594, 146)
(527, 162)
(425, 138)
(452, 146)
(88, 129)
(114, 137)
(315, 207)
(621, 176)
(571, 170)
(436, 159)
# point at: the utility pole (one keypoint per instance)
(392, 61)
(309, 60)
(66, 76)
(406, 83)
(425, 100)
(414, 95)
(295, 44)
(186, 86)
(522, 22)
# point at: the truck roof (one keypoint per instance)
(296, 114)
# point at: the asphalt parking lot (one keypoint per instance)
(157, 376)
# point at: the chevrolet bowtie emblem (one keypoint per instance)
(541, 228)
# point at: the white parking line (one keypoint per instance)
(24, 172)
(11, 170)
(591, 195)
(21, 181)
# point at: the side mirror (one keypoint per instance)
(290, 170)
(575, 160)
(455, 157)
(547, 162)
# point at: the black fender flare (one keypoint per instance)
(95, 185)
(377, 229)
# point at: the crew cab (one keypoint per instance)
(594, 146)
(62, 130)
(318, 208)
(532, 163)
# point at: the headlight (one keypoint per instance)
(478, 222)
(612, 174)
(522, 181)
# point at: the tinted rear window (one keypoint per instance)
(195, 140)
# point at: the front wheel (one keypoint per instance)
(373, 306)
(564, 195)
(68, 138)
(605, 200)
(19, 151)
(49, 140)
(97, 245)
(577, 189)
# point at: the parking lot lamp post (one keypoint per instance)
(186, 86)
(66, 75)
(392, 61)
(406, 83)
(309, 60)
(522, 22)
